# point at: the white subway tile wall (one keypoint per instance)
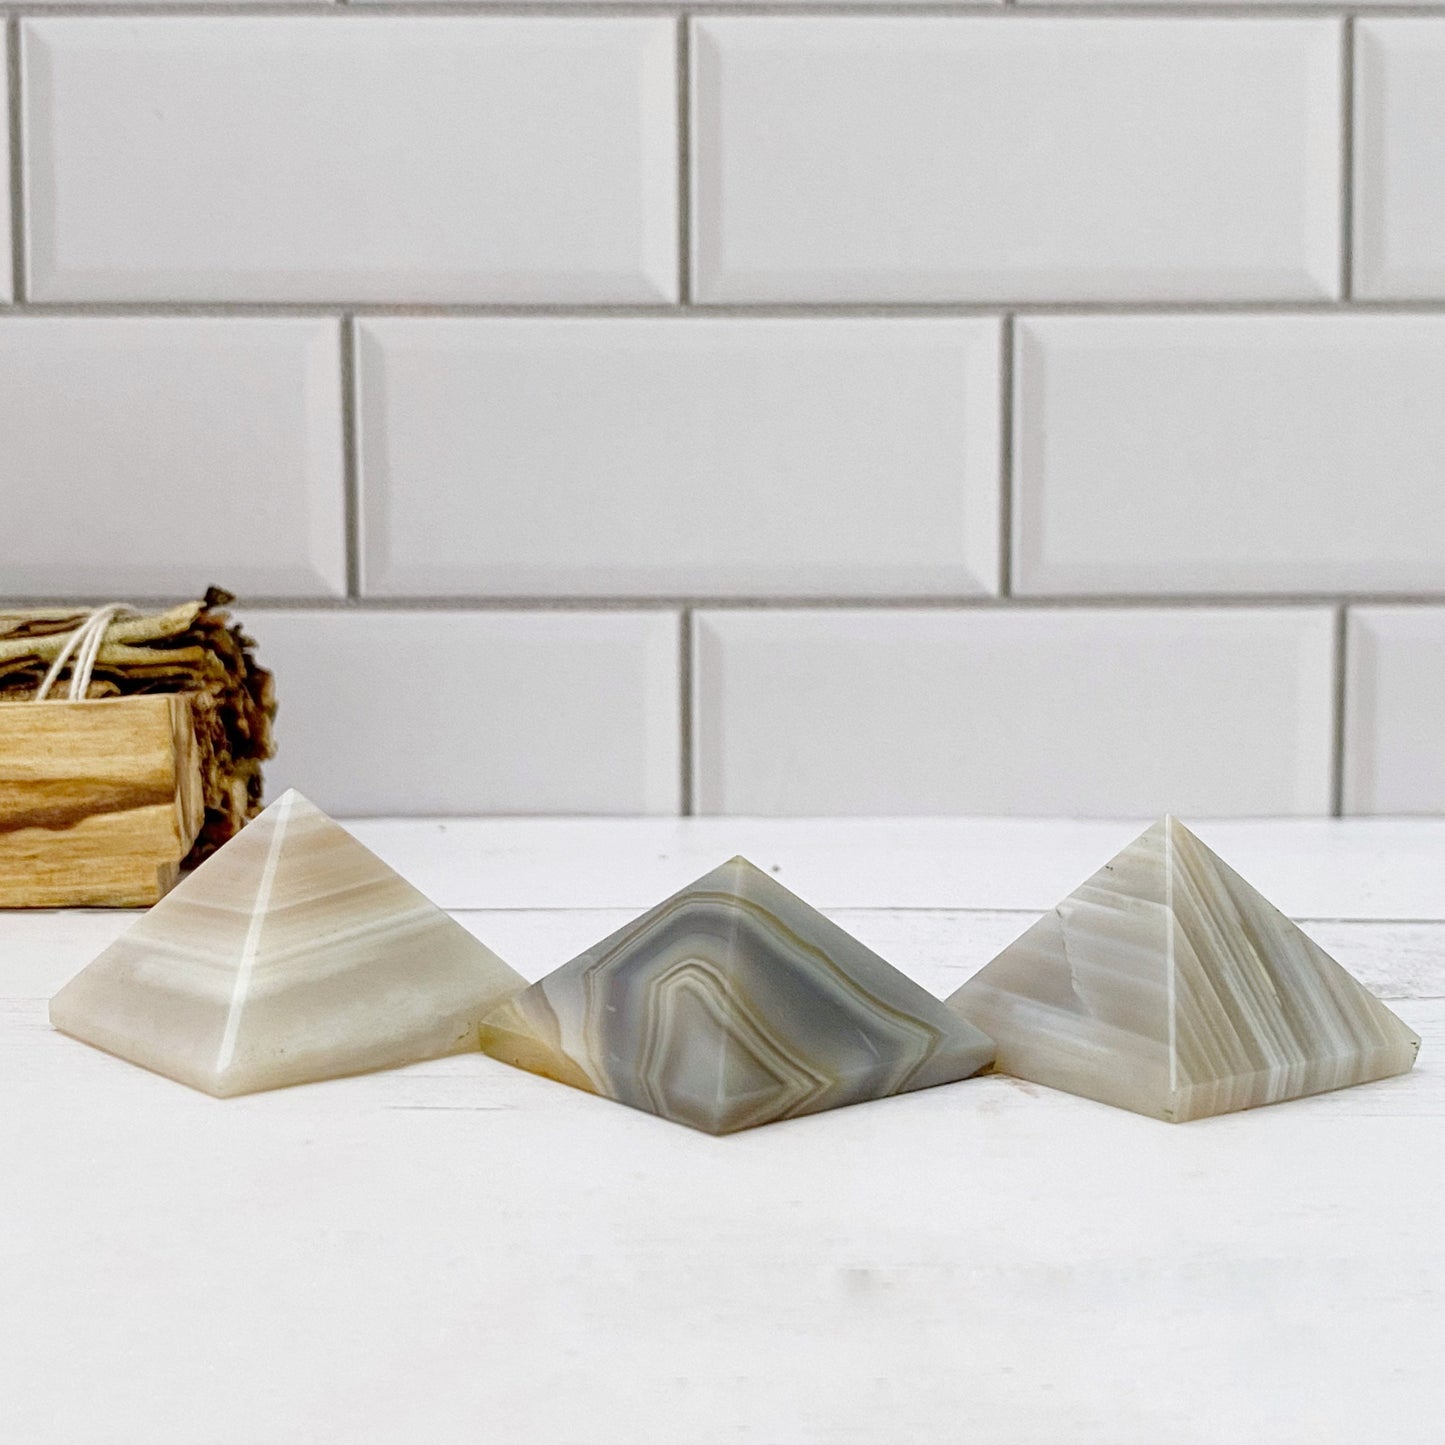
(155, 455)
(7, 265)
(1005, 157)
(1395, 762)
(1081, 711)
(731, 456)
(1017, 409)
(1209, 454)
(1400, 194)
(312, 158)
(476, 712)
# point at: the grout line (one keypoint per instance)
(685, 709)
(556, 9)
(476, 602)
(1337, 722)
(1347, 160)
(813, 311)
(684, 160)
(16, 160)
(1006, 458)
(350, 471)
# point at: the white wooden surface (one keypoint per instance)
(459, 1252)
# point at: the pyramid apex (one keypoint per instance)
(737, 861)
(1166, 825)
(1161, 827)
(289, 800)
(1176, 827)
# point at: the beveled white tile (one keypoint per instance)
(147, 456)
(365, 158)
(1395, 710)
(1083, 711)
(1399, 135)
(423, 712)
(669, 456)
(7, 265)
(1030, 158)
(1268, 453)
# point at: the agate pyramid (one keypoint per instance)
(733, 1004)
(294, 953)
(1167, 985)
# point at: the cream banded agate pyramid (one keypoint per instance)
(292, 954)
(734, 1004)
(1167, 985)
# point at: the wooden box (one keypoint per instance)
(99, 800)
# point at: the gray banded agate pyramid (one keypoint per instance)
(1167, 985)
(734, 1004)
(292, 954)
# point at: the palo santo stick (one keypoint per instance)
(99, 801)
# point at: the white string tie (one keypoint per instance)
(85, 642)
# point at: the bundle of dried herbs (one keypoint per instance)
(193, 649)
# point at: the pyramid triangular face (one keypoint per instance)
(733, 1004)
(1167, 985)
(292, 954)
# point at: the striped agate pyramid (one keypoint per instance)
(292, 954)
(1167, 985)
(733, 1004)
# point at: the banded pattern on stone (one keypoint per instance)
(293, 953)
(1167, 985)
(734, 1004)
